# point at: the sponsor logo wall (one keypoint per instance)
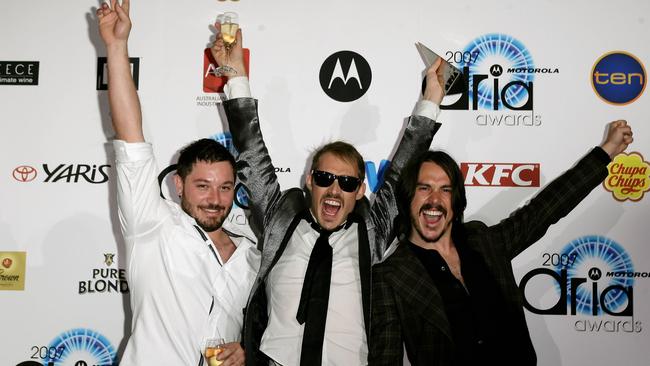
(536, 96)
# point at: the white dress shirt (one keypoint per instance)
(345, 341)
(174, 277)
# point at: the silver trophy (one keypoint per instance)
(452, 76)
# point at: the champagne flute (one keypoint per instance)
(213, 347)
(229, 25)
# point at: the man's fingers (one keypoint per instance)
(238, 37)
(126, 5)
(121, 13)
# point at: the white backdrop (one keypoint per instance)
(63, 218)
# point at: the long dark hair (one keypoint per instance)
(409, 180)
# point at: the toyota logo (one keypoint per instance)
(25, 173)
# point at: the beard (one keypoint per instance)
(207, 224)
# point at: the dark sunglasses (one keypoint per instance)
(325, 179)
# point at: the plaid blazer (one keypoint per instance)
(407, 308)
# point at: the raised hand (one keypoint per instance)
(434, 90)
(232, 57)
(619, 136)
(114, 22)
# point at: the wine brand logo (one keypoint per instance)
(12, 270)
(19, 72)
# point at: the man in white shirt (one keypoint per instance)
(310, 304)
(189, 276)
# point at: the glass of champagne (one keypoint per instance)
(213, 347)
(229, 25)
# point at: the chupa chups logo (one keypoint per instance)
(345, 76)
(7, 263)
(102, 72)
(501, 174)
(213, 83)
(25, 173)
(68, 173)
(618, 78)
(629, 177)
(19, 72)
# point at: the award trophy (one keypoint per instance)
(451, 75)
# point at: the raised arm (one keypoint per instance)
(114, 28)
(530, 222)
(254, 166)
(416, 139)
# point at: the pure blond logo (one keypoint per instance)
(628, 177)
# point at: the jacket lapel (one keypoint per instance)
(412, 283)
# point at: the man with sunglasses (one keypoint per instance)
(310, 304)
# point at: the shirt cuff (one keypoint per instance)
(426, 108)
(132, 151)
(237, 87)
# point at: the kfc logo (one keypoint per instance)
(25, 173)
(501, 174)
(213, 83)
(7, 262)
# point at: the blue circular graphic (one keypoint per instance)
(508, 53)
(618, 78)
(241, 195)
(597, 255)
(80, 344)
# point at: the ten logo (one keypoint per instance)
(502, 175)
(102, 72)
(345, 76)
(618, 78)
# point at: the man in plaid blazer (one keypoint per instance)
(447, 293)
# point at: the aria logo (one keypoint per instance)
(618, 78)
(487, 86)
(81, 347)
(345, 76)
(593, 276)
(102, 72)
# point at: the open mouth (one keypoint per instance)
(432, 216)
(331, 207)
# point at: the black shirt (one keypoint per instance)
(476, 313)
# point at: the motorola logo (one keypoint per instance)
(345, 76)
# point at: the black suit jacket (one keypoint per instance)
(275, 213)
(407, 308)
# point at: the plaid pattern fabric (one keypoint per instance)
(407, 308)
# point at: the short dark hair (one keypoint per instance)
(206, 150)
(343, 151)
(409, 180)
